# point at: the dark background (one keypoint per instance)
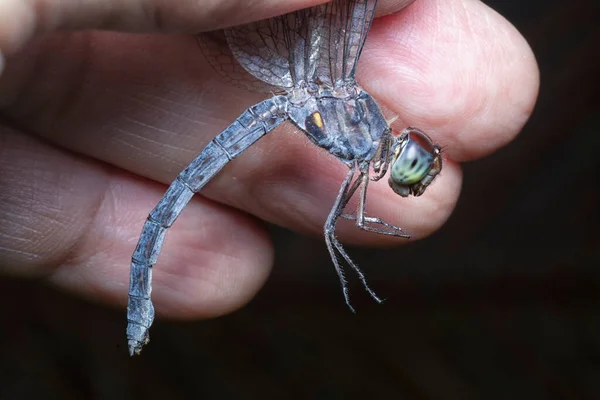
(502, 303)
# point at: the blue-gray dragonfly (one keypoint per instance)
(311, 56)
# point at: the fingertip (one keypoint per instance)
(17, 25)
(457, 69)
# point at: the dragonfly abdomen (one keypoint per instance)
(253, 124)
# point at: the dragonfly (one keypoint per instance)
(309, 57)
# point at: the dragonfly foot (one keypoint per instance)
(391, 230)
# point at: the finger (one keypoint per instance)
(456, 69)
(21, 20)
(147, 104)
(76, 222)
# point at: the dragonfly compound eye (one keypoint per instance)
(414, 160)
(415, 163)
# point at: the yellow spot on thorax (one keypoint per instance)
(318, 120)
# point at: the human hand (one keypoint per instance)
(95, 123)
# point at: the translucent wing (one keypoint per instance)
(279, 50)
(215, 48)
(319, 43)
(348, 23)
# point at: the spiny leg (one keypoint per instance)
(362, 220)
(329, 230)
(381, 162)
(380, 166)
(355, 267)
(345, 194)
(360, 181)
(394, 230)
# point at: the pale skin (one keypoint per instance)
(95, 124)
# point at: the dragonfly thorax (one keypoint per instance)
(346, 121)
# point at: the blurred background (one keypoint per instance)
(502, 303)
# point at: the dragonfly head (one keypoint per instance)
(415, 162)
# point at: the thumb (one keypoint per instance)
(21, 20)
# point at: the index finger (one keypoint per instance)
(21, 20)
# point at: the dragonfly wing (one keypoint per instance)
(261, 49)
(318, 43)
(216, 50)
(348, 24)
(284, 50)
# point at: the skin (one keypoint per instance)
(94, 125)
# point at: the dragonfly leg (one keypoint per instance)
(352, 264)
(381, 162)
(334, 246)
(369, 223)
